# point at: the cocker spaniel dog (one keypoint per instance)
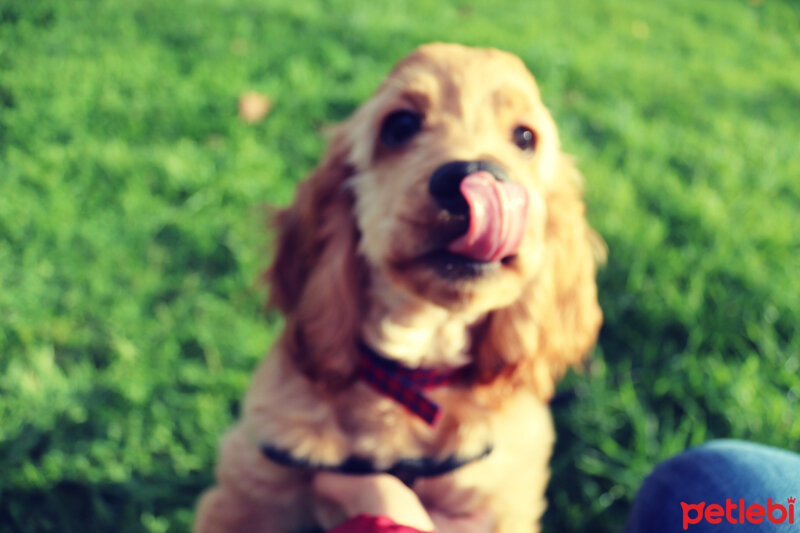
(437, 276)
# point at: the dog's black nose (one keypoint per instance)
(445, 183)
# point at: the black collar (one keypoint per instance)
(406, 470)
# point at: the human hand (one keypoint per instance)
(385, 495)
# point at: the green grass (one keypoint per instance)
(131, 239)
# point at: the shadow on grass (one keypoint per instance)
(71, 506)
(157, 502)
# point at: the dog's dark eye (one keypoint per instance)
(525, 138)
(399, 127)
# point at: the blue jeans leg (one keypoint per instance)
(714, 473)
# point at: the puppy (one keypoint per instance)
(437, 275)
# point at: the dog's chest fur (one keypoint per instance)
(285, 410)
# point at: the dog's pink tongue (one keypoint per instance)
(497, 216)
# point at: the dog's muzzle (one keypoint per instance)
(496, 208)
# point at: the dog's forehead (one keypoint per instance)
(474, 86)
(456, 67)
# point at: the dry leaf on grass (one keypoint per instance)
(253, 106)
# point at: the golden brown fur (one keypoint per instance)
(348, 266)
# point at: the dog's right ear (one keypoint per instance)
(300, 236)
(314, 276)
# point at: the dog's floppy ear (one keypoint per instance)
(314, 276)
(556, 320)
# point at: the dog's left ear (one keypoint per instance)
(315, 275)
(556, 320)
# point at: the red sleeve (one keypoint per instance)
(372, 524)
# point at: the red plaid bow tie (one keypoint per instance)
(405, 385)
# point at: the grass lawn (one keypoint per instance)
(131, 235)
